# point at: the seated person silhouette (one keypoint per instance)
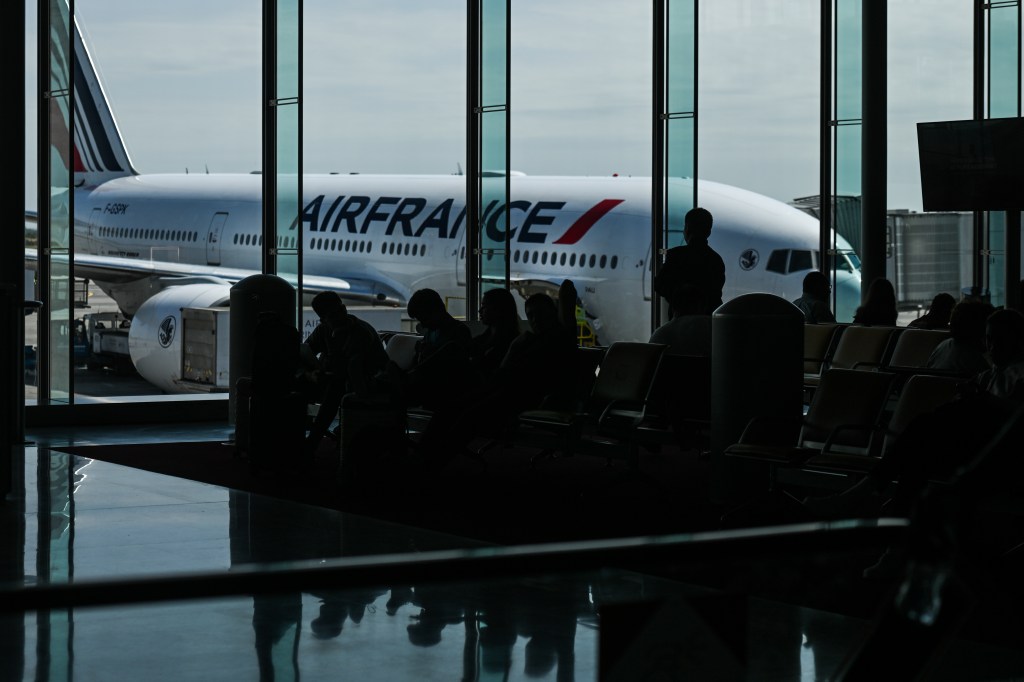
(539, 370)
(487, 349)
(348, 352)
(441, 374)
(964, 352)
(689, 330)
(814, 301)
(879, 307)
(938, 315)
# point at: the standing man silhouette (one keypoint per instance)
(695, 263)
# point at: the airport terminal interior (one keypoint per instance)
(683, 519)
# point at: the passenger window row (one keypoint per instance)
(571, 260)
(141, 233)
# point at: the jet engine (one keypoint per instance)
(154, 339)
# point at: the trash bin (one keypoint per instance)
(756, 369)
(250, 297)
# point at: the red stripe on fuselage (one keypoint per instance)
(586, 221)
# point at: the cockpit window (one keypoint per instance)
(800, 260)
(846, 261)
(777, 261)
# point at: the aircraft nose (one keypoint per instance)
(847, 296)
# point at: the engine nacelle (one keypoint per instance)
(154, 339)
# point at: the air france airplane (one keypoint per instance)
(160, 243)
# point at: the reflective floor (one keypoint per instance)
(765, 617)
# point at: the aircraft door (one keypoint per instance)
(92, 228)
(460, 261)
(213, 238)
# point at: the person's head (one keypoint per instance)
(816, 285)
(330, 308)
(1004, 336)
(881, 295)
(426, 307)
(967, 321)
(498, 309)
(697, 225)
(542, 313)
(942, 307)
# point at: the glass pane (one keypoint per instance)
(59, 313)
(680, 190)
(681, 56)
(848, 151)
(997, 257)
(1004, 62)
(493, 196)
(493, 43)
(288, 187)
(287, 49)
(848, 59)
(58, 310)
(289, 135)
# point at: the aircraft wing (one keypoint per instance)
(117, 270)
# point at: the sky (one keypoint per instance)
(384, 86)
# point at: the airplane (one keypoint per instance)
(159, 243)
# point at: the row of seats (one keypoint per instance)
(634, 395)
(900, 350)
(848, 426)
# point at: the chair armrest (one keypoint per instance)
(847, 428)
(771, 430)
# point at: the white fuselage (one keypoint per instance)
(395, 234)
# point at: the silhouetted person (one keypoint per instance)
(879, 307)
(964, 352)
(442, 373)
(348, 354)
(568, 304)
(689, 330)
(695, 263)
(938, 315)
(540, 366)
(538, 370)
(814, 301)
(487, 349)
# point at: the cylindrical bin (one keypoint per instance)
(756, 370)
(250, 297)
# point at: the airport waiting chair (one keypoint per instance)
(679, 408)
(615, 407)
(401, 350)
(920, 394)
(913, 347)
(857, 348)
(843, 417)
(819, 343)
